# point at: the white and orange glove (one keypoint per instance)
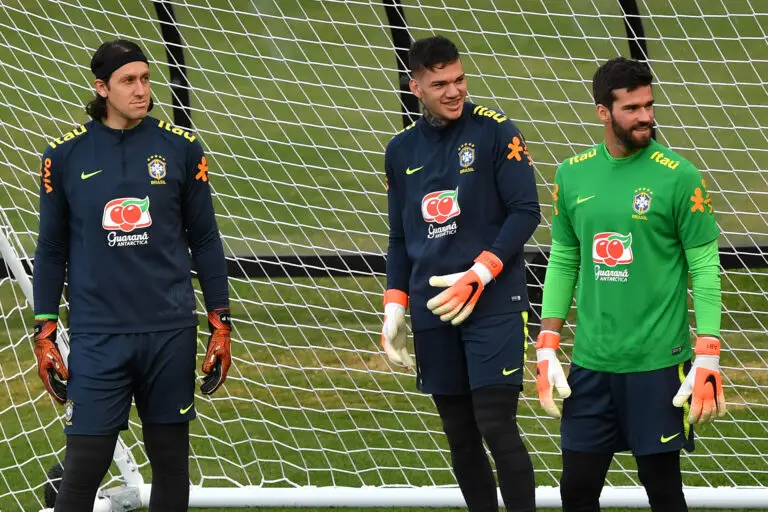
(394, 331)
(704, 382)
(457, 302)
(549, 372)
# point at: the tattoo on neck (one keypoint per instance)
(433, 120)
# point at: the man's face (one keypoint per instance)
(442, 90)
(128, 91)
(632, 118)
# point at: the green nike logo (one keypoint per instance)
(185, 410)
(84, 176)
(580, 200)
(668, 439)
(506, 372)
(411, 171)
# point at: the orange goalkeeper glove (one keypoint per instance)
(218, 357)
(549, 372)
(704, 382)
(393, 332)
(50, 365)
(457, 302)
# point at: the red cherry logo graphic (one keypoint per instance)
(601, 248)
(131, 214)
(116, 215)
(615, 249)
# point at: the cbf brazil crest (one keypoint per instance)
(156, 169)
(466, 157)
(641, 202)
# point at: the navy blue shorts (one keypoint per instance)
(480, 352)
(107, 370)
(614, 412)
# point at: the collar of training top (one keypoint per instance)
(117, 62)
(124, 132)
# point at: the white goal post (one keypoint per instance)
(294, 102)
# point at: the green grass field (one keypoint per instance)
(294, 102)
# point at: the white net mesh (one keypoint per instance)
(294, 102)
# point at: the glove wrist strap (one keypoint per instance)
(491, 262)
(396, 296)
(548, 339)
(707, 346)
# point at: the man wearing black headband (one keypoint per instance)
(124, 199)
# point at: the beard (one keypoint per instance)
(624, 135)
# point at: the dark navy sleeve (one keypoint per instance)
(202, 231)
(398, 264)
(517, 189)
(52, 247)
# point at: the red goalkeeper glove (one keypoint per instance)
(457, 302)
(50, 364)
(704, 382)
(393, 332)
(218, 358)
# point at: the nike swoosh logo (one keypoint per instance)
(579, 200)
(411, 171)
(508, 372)
(184, 411)
(84, 176)
(668, 439)
(711, 381)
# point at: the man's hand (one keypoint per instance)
(393, 332)
(50, 364)
(218, 358)
(704, 382)
(549, 372)
(457, 302)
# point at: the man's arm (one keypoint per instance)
(517, 189)
(698, 232)
(51, 256)
(52, 248)
(704, 265)
(398, 264)
(559, 282)
(203, 233)
(208, 254)
(393, 332)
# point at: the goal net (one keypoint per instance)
(294, 102)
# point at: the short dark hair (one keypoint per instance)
(97, 107)
(431, 52)
(619, 73)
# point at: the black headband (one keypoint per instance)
(117, 62)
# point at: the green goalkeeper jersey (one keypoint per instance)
(632, 218)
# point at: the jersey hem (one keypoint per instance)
(685, 356)
(132, 329)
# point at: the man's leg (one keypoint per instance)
(98, 404)
(441, 370)
(495, 411)
(495, 351)
(168, 452)
(590, 433)
(582, 480)
(660, 475)
(85, 464)
(657, 431)
(165, 402)
(470, 463)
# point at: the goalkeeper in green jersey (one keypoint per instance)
(636, 218)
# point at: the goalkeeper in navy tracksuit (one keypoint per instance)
(123, 201)
(462, 203)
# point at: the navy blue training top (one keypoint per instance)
(120, 211)
(454, 192)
